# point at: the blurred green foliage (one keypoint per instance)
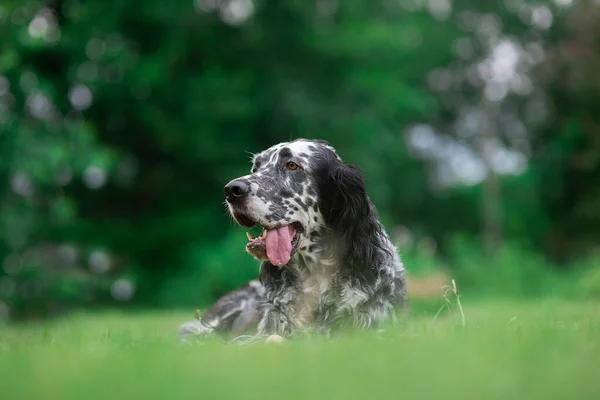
(120, 124)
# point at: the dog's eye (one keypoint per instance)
(292, 166)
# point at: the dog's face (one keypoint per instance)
(283, 195)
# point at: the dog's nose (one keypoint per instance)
(236, 190)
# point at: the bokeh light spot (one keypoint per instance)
(80, 97)
(236, 12)
(122, 290)
(99, 262)
(94, 177)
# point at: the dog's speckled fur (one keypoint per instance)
(345, 273)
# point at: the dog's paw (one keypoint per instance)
(192, 329)
(274, 339)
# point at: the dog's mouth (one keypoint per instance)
(277, 244)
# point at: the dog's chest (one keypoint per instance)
(314, 285)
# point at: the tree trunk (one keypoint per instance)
(492, 227)
(492, 213)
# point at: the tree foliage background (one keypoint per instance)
(474, 121)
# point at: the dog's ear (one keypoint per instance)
(348, 211)
(347, 203)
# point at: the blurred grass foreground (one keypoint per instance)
(475, 124)
(508, 350)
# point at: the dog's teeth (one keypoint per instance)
(263, 234)
(249, 236)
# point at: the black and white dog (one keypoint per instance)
(326, 260)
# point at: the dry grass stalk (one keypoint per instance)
(447, 291)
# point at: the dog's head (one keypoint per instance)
(295, 192)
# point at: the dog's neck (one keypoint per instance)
(324, 249)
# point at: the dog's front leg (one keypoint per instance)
(275, 321)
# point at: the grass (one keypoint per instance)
(508, 350)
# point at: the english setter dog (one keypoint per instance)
(326, 261)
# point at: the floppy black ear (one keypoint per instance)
(347, 205)
(348, 211)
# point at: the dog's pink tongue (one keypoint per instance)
(279, 246)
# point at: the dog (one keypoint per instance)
(327, 262)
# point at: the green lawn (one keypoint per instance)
(509, 350)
